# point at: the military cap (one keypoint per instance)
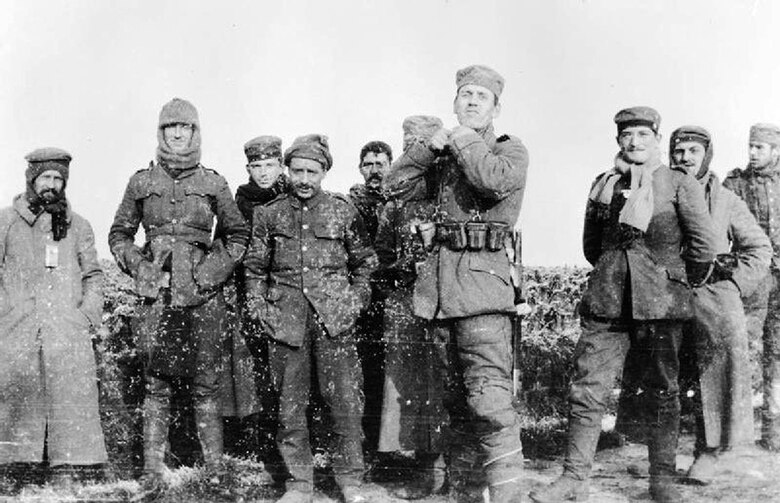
(765, 133)
(263, 147)
(419, 128)
(45, 159)
(482, 76)
(178, 111)
(690, 133)
(310, 146)
(638, 116)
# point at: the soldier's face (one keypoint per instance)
(49, 185)
(306, 177)
(374, 167)
(638, 143)
(475, 106)
(762, 155)
(690, 155)
(178, 137)
(265, 172)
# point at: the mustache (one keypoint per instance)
(376, 176)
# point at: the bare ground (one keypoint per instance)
(748, 479)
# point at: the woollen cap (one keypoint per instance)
(179, 111)
(311, 146)
(263, 147)
(480, 75)
(45, 159)
(638, 116)
(765, 133)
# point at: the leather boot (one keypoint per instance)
(208, 420)
(662, 451)
(467, 479)
(565, 488)
(431, 482)
(156, 420)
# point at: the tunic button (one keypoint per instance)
(173, 201)
(174, 221)
(303, 248)
(305, 208)
(176, 181)
(305, 290)
(305, 226)
(305, 269)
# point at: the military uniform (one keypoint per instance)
(308, 270)
(370, 324)
(179, 273)
(637, 296)
(468, 292)
(760, 189)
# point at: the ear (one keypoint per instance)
(497, 110)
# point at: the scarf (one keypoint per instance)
(58, 209)
(638, 209)
(178, 162)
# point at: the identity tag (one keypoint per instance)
(52, 258)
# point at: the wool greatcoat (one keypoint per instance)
(48, 384)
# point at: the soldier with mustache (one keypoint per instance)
(370, 199)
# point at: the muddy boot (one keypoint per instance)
(565, 488)
(662, 451)
(156, 420)
(704, 468)
(663, 490)
(770, 432)
(209, 425)
(431, 481)
(467, 480)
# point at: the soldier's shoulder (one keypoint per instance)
(736, 174)
(508, 141)
(142, 174)
(212, 174)
(276, 201)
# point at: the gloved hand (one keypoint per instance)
(698, 272)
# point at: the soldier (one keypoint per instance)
(759, 186)
(179, 273)
(308, 270)
(369, 199)
(250, 393)
(477, 181)
(51, 297)
(413, 414)
(638, 216)
(719, 328)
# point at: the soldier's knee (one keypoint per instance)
(490, 400)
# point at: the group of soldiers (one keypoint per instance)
(395, 304)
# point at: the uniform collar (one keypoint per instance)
(309, 203)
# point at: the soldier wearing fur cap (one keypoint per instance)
(475, 180)
(50, 299)
(179, 273)
(759, 186)
(638, 216)
(308, 270)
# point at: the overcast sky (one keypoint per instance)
(91, 76)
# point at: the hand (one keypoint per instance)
(459, 132)
(439, 140)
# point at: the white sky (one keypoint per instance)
(91, 76)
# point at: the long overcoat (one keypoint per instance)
(48, 384)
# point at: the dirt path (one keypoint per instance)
(749, 480)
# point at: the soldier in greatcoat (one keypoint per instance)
(50, 298)
(759, 186)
